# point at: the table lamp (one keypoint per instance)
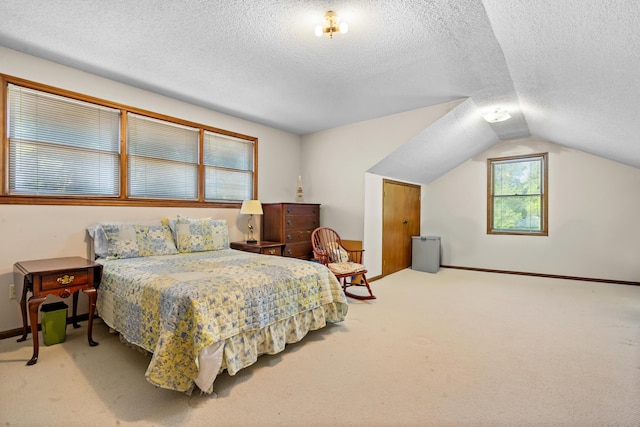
(251, 208)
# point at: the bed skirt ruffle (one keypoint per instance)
(243, 350)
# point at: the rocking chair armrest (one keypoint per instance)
(321, 258)
(355, 255)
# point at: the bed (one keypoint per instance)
(175, 289)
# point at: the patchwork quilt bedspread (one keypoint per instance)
(178, 306)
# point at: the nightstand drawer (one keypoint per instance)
(64, 280)
(253, 248)
(261, 247)
(272, 251)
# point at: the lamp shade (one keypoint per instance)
(251, 207)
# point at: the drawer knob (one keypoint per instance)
(272, 251)
(288, 236)
(65, 280)
(288, 222)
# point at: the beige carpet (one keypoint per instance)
(457, 348)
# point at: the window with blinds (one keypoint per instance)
(163, 159)
(60, 146)
(229, 167)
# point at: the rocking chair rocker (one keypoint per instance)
(345, 264)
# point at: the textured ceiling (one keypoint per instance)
(575, 65)
(567, 70)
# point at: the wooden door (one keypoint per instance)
(400, 221)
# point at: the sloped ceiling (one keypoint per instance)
(567, 70)
(437, 149)
(575, 67)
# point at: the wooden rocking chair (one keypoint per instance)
(345, 264)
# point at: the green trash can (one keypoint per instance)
(54, 322)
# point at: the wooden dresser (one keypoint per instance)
(291, 223)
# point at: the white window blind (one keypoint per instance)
(163, 159)
(61, 146)
(229, 167)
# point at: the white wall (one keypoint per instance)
(594, 230)
(334, 166)
(374, 199)
(33, 232)
(373, 206)
(593, 202)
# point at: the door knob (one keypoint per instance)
(405, 222)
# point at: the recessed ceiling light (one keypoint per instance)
(499, 115)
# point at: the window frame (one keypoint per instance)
(123, 199)
(544, 197)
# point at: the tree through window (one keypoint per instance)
(517, 195)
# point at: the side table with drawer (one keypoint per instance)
(56, 276)
(260, 247)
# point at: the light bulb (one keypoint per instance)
(319, 31)
(344, 27)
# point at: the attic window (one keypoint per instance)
(517, 195)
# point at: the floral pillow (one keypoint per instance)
(155, 240)
(132, 240)
(201, 234)
(97, 234)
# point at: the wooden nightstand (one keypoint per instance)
(261, 247)
(56, 276)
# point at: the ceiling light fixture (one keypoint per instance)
(499, 115)
(331, 25)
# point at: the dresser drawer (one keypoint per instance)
(299, 250)
(300, 222)
(64, 280)
(296, 209)
(294, 236)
